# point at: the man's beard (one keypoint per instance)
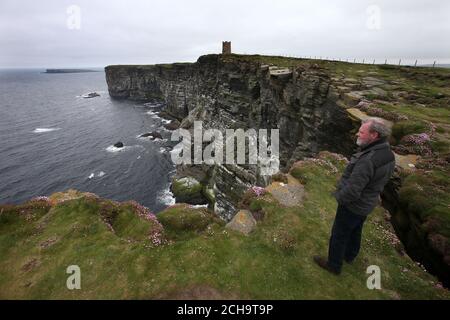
(361, 143)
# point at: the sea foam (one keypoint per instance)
(42, 130)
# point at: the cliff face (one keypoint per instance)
(228, 93)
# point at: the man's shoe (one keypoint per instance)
(323, 263)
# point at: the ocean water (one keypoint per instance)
(53, 139)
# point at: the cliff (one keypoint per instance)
(234, 92)
(316, 105)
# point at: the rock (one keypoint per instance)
(242, 222)
(182, 218)
(351, 99)
(91, 95)
(405, 161)
(280, 72)
(372, 82)
(288, 194)
(173, 125)
(118, 145)
(363, 113)
(375, 92)
(71, 194)
(152, 135)
(188, 190)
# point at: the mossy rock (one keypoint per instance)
(209, 195)
(182, 219)
(188, 190)
(280, 177)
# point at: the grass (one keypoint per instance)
(426, 194)
(403, 128)
(273, 262)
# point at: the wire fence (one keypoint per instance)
(398, 62)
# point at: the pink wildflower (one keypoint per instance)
(258, 191)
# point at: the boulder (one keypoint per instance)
(242, 222)
(91, 95)
(173, 125)
(188, 190)
(152, 135)
(118, 144)
(351, 99)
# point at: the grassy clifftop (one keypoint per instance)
(124, 252)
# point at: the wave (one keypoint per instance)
(98, 175)
(166, 197)
(153, 114)
(115, 149)
(152, 105)
(197, 206)
(42, 130)
(124, 148)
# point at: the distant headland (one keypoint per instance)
(68, 70)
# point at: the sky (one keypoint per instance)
(94, 33)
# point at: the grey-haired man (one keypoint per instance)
(358, 192)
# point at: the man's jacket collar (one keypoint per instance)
(377, 144)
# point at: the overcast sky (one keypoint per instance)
(95, 33)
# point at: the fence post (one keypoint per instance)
(415, 64)
(434, 63)
(373, 61)
(399, 61)
(385, 61)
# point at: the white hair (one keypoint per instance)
(379, 126)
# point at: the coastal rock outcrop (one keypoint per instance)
(228, 93)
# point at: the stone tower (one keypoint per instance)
(226, 47)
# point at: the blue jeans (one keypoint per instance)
(345, 240)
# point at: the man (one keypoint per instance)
(358, 193)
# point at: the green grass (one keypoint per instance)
(273, 262)
(426, 194)
(403, 128)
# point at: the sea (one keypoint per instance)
(52, 139)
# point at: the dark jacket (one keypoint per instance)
(365, 177)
